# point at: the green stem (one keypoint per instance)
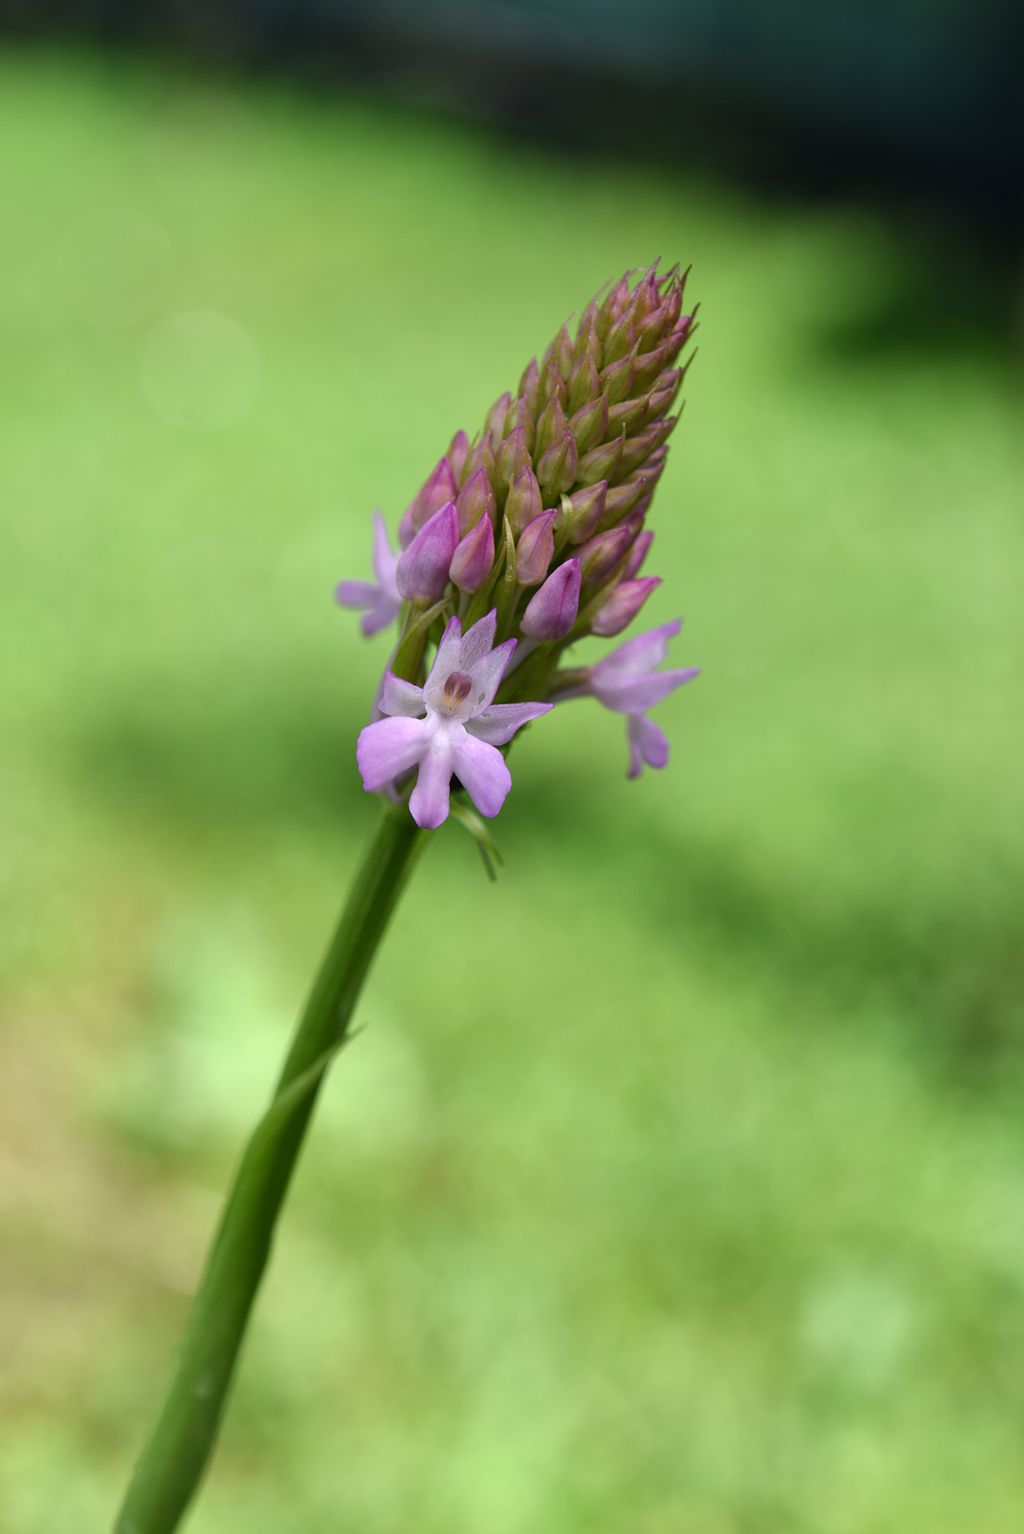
(175, 1457)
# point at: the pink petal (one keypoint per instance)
(388, 748)
(356, 593)
(482, 770)
(449, 655)
(641, 653)
(497, 724)
(384, 562)
(647, 743)
(399, 697)
(488, 672)
(636, 694)
(429, 799)
(478, 640)
(381, 616)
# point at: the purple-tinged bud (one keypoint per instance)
(496, 417)
(587, 340)
(637, 554)
(474, 557)
(600, 555)
(646, 296)
(582, 512)
(552, 610)
(613, 306)
(617, 380)
(529, 384)
(512, 458)
(481, 456)
(622, 606)
(656, 327)
(436, 492)
(551, 425)
(601, 462)
(536, 549)
(520, 415)
(638, 449)
(584, 383)
(557, 467)
(623, 498)
(629, 413)
(647, 365)
(458, 453)
(422, 571)
(620, 340)
(475, 500)
(550, 383)
(590, 424)
(563, 353)
(524, 501)
(662, 397)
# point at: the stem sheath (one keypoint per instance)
(173, 1461)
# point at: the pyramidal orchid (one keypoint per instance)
(521, 542)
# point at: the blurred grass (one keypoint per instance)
(675, 1183)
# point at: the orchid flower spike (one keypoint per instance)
(450, 726)
(627, 682)
(382, 600)
(537, 521)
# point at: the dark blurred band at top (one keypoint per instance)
(913, 95)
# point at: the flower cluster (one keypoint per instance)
(522, 541)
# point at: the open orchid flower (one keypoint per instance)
(627, 682)
(382, 600)
(449, 727)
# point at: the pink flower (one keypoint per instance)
(448, 727)
(381, 599)
(627, 682)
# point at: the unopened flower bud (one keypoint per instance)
(637, 554)
(582, 512)
(435, 493)
(600, 555)
(587, 339)
(630, 413)
(529, 384)
(584, 383)
(474, 556)
(524, 500)
(551, 425)
(562, 350)
(423, 568)
(496, 419)
(521, 415)
(641, 447)
(623, 498)
(536, 549)
(557, 467)
(622, 606)
(590, 424)
(552, 610)
(550, 383)
(512, 458)
(457, 454)
(475, 500)
(620, 340)
(601, 462)
(617, 380)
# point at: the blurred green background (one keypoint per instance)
(675, 1184)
